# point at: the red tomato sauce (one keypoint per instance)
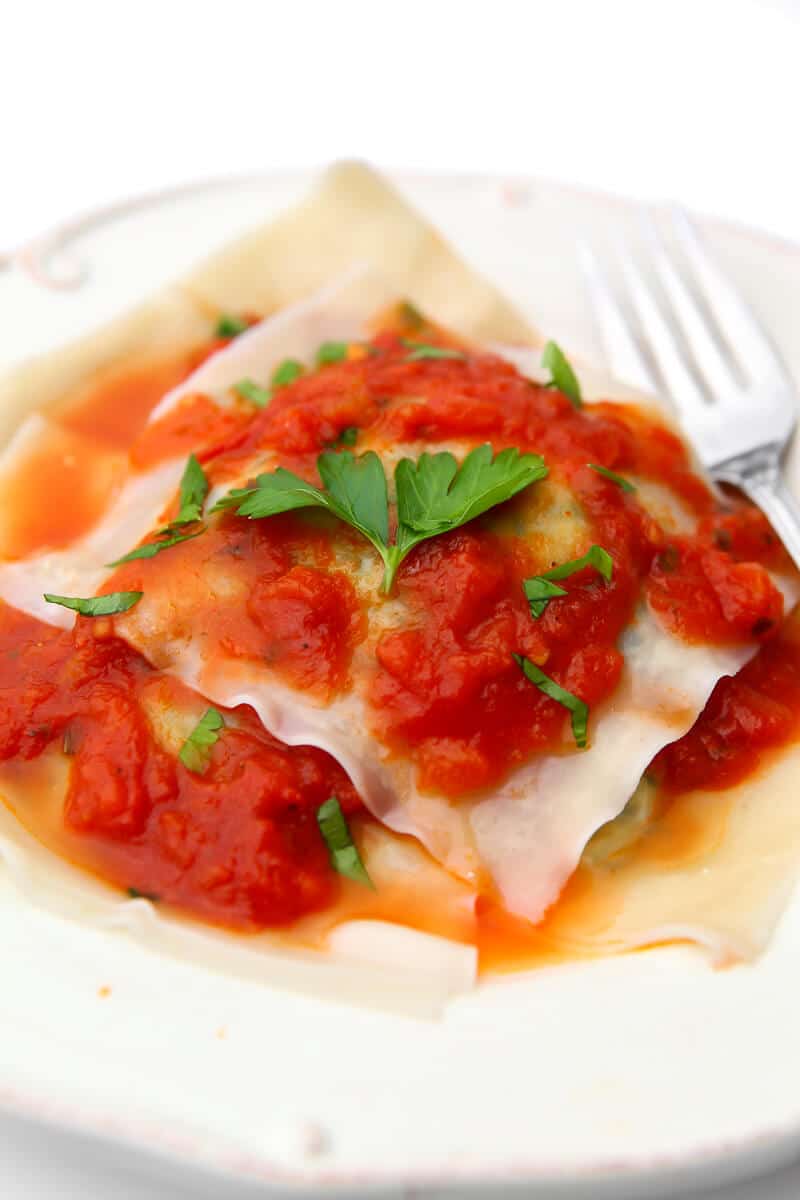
(444, 687)
(748, 715)
(148, 822)
(252, 597)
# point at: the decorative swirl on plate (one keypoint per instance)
(43, 260)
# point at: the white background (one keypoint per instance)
(697, 100)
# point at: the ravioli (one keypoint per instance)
(522, 837)
(454, 752)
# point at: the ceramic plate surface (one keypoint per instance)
(586, 1075)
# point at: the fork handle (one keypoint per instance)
(765, 486)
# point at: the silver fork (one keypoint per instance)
(702, 346)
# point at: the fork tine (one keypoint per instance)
(721, 377)
(749, 343)
(624, 358)
(681, 385)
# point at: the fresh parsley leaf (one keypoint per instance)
(331, 352)
(229, 326)
(151, 549)
(97, 606)
(625, 484)
(348, 437)
(193, 492)
(276, 492)
(343, 851)
(357, 493)
(420, 351)
(540, 590)
(195, 753)
(248, 389)
(579, 711)
(286, 372)
(562, 375)
(434, 494)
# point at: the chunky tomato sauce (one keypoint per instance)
(446, 687)
(240, 843)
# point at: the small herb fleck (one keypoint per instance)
(343, 851)
(286, 372)
(619, 480)
(420, 351)
(195, 753)
(135, 894)
(230, 326)
(248, 389)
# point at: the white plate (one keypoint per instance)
(635, 1072)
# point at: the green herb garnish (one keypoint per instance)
(434, 494)
(343, 851)
(286, 372)
(348, 437)
(97, 606)
(248, 389)
(562, 375)
(540, 590)
(193, 492)
(625, 484)
(331, 352)
(229, 326)
(151, 549)
(420, 351)
(195, 753)
(579, 711)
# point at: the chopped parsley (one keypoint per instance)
(343, 851)
(625, 484)
(192, 496)
(151, 549)
(421, 351)
(193, 492)
(97, 606)
(331, 352)
(540, 589)
(286, 372)
(578, 710)
(229, 326)
(562, 375)
(248, 389)
(195, 753)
